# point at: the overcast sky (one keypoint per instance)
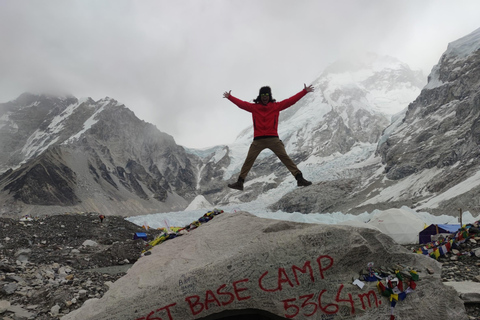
(171, 61)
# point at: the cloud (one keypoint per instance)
(171, 61)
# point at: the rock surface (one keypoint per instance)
(238, 263)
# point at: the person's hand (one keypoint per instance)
(310, 88)
(227, 94)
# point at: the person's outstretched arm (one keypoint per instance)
(292, 100)
(247, 106)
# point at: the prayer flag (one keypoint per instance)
(399, 275)
(448, 245)
(412, 284)
(380, 286)
(414, 275)
(400, 285)
(441, 250)
(390, 285)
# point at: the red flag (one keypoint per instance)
(400, 285)
(390, 285)
(380, 286)
(412, 284)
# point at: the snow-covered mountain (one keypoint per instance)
(85, 155)
(326, 133)
(65, 154)
(427, 158)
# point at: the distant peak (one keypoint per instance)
(367, 60)
(28, 98)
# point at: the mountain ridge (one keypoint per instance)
(113, 162)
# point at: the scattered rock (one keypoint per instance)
(45, 269)
(55, 310)
(4, 305)
(89, 243)
(476, 252)
(9, 289)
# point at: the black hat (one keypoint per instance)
(265, 89)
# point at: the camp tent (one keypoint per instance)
(401, 225)
(425, 236)
(140, 235)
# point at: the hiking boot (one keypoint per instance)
(237, 185)
(301, 182)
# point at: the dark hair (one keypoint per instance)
(265, 89)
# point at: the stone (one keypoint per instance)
(476, 252)
(82, 294)
(282, 269)
(12, 277)
(9, 288)
(32, 307)
(20, 312)
(55, 310)
(89, 243)
(4, 305)
(6, 268)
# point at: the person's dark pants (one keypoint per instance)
(274, 144)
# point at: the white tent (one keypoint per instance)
(401, 225)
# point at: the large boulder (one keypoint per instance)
(238, 266)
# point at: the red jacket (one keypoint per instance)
(265, 117)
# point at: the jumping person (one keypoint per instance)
(265, 111)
